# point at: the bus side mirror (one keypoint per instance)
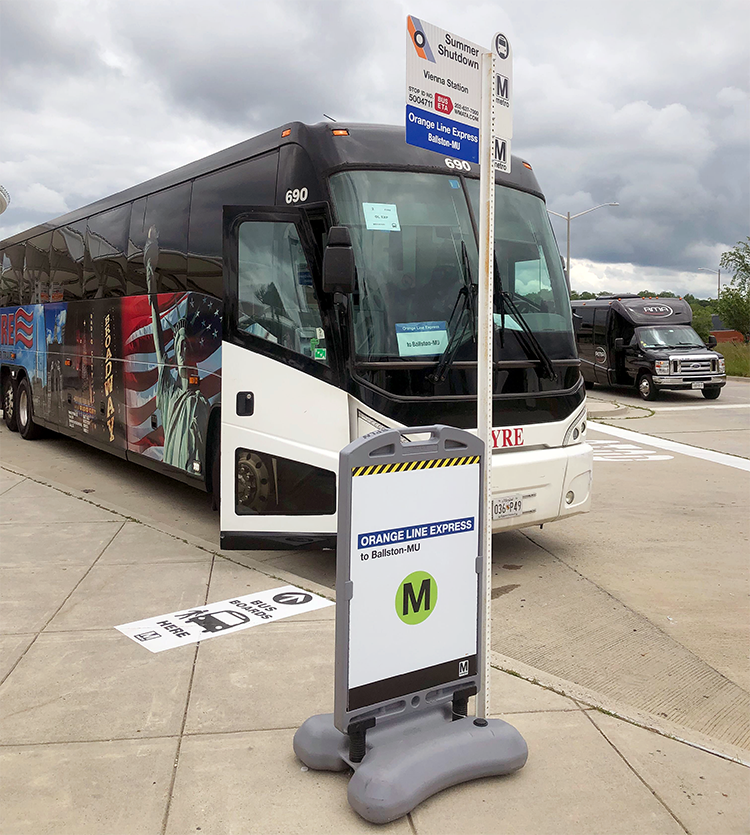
(712, 341)
(339, 272)
(619, 344)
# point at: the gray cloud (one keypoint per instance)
(644, 103)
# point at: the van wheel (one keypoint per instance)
(9, 404)
(646, 387)
(711, 392)
(25, 412)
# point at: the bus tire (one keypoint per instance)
(711, 392)
(256, 489)
(9, 404)
(29, 430)
(646, 387)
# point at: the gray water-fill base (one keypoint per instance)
(410, 759)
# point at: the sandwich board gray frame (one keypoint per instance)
(408, 649)
(407, 572)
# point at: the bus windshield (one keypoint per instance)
(414, 249)
(412, 235)
(529, 267)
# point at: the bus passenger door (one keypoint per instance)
(283, 419)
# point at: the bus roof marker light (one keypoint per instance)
(285, 133)
(340, 132)
(526, 165)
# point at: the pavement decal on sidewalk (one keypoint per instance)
(619, 451)
(203, 622)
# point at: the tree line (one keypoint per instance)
(732, 306)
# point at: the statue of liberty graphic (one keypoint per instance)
(184, 411)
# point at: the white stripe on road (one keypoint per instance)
(703, 406)
(672, 446)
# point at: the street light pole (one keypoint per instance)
(718, 278)
(568, 217)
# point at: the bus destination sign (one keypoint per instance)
(443, 91)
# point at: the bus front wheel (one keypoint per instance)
(255, 482)
(25, 411)
(9, 404)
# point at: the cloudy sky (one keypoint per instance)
(642, 102)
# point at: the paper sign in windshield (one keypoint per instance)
(381, 217)
(203, 622)
(420, 339)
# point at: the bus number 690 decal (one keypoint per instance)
(296, 195)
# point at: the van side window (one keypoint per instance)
(586, 325)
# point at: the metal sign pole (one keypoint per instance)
(484, 355)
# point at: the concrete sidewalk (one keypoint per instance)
(100, 736)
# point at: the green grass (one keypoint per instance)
(737, 356)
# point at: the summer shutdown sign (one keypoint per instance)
(408, 549)
(202, 622)
(443, 91)
(444, 94)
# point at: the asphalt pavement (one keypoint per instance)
(99, 735)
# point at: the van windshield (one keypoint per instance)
(678, 336)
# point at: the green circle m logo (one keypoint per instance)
(416, 597)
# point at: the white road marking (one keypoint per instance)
(673, 446)
(617, 451)
(703, 406)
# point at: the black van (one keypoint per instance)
(648, 343)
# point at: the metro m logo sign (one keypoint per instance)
(501, 154)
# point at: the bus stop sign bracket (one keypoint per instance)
(409, 582)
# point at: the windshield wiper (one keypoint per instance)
(465, 303)
(526, 337)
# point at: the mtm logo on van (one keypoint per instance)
(658, 310)
(416, 597)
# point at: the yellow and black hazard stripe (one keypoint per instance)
(409, 466)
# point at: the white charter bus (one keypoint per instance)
(238, 321)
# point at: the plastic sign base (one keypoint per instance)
(408, 759)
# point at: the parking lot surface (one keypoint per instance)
(632, 620)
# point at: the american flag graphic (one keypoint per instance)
(25, 327)
(202, 319)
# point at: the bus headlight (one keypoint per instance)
(576, 433)
(662, 366)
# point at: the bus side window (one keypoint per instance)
(247, 183)
(66, 263)
(159, 222)
(275, 293)
(106, 248)
(36, 270)
(13, 261)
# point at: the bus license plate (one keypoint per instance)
(507, 506)
(697, 385)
